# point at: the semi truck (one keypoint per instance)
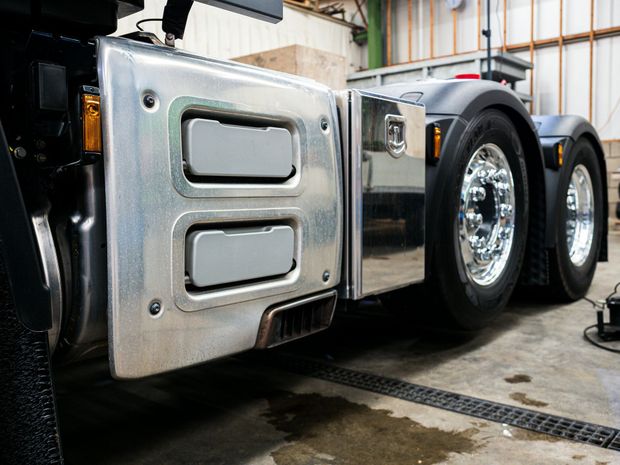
(164, 209)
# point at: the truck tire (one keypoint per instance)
(28, 427)
(481, 242)
(481, 237)
(579, 224)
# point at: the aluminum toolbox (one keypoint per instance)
(154, 202)
(385, 192)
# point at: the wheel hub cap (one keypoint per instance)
(580, 215)
(486, 215)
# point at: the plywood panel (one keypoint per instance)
(321, 66)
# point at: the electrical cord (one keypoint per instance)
(147, 20)
(599, 306)
(587, 337)
(615, 291)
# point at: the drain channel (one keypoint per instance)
(567, 428)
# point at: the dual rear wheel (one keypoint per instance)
(480, 222)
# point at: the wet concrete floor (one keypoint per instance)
(240, 411)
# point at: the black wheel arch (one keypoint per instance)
(452, 104)
(18, 245)
(569, 128)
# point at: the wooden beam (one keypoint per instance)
(478, 15)
(454, 18)
(505, 24)
(591, 39)
(432, 27)
(361, 12)
(388, 32)
(566, 39)
(409, 28)
(560, 50)
(532, 55)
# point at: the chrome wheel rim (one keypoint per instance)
(486, 215)
(580, 215)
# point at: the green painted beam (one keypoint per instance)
(375, 42)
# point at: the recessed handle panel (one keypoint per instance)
(213, 149)
(218, 257)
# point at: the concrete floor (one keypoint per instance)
(240, 411)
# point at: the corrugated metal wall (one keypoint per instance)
(556, 88)
(566, 88)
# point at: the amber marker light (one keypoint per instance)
(436, 142)
(560, 154)
(91, 123)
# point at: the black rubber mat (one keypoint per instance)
(567, 428)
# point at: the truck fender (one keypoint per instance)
(28, 288)
(567, 129)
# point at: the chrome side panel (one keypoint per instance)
(51, 270)
(85, 326)
(151, 203)
(385, 182)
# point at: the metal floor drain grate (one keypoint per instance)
(567, 428)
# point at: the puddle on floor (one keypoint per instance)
(525, 400)
(527, 435)
(519, 378)
(334, 431)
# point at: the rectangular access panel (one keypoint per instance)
(386, 176)
(224, 257)
(215, 149)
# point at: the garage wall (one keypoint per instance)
(458, 32)
(612, 152)
(217, 33)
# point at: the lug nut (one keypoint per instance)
(478, 194)
(20, 153)
(473, 219)
(505, 210)
(474, 241)
(500, 175)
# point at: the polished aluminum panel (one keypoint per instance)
(146, 93)
(386, 182)
(51, 270)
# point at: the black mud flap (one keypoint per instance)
(28, 426)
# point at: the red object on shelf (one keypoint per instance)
(467, 76)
